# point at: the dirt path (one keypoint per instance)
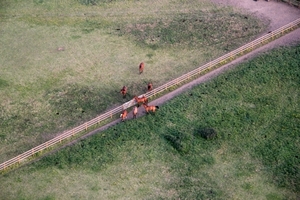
(275, 13)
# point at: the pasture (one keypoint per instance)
(64, 62)
(253, 109)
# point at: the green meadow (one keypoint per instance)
(251, 112)
(63, 62)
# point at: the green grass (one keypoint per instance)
(63, 63)
(255, 155)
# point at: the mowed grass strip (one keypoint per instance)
(254, 154)
(63, 63)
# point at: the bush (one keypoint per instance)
(208, 133)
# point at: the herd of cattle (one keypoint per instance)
(139, 100)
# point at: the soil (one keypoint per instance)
(274, 13)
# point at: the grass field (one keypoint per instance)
(254, 109)
(64, 62)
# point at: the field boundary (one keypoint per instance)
(174, 83)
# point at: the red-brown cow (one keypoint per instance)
(141, 67)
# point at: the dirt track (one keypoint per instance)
(274, 13)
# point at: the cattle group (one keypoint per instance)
(139, 100)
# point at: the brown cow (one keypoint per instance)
(135, 111)
(150, 87)
(150, 108)
(123, 115)
(124, 91)
(140, 100)
(141, 67)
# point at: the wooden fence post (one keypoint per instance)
(272, 35)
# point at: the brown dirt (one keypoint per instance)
(274, 13)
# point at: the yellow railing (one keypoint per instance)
(213, 64)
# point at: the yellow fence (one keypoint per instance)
(186, 77)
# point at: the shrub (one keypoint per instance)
(208, 133)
